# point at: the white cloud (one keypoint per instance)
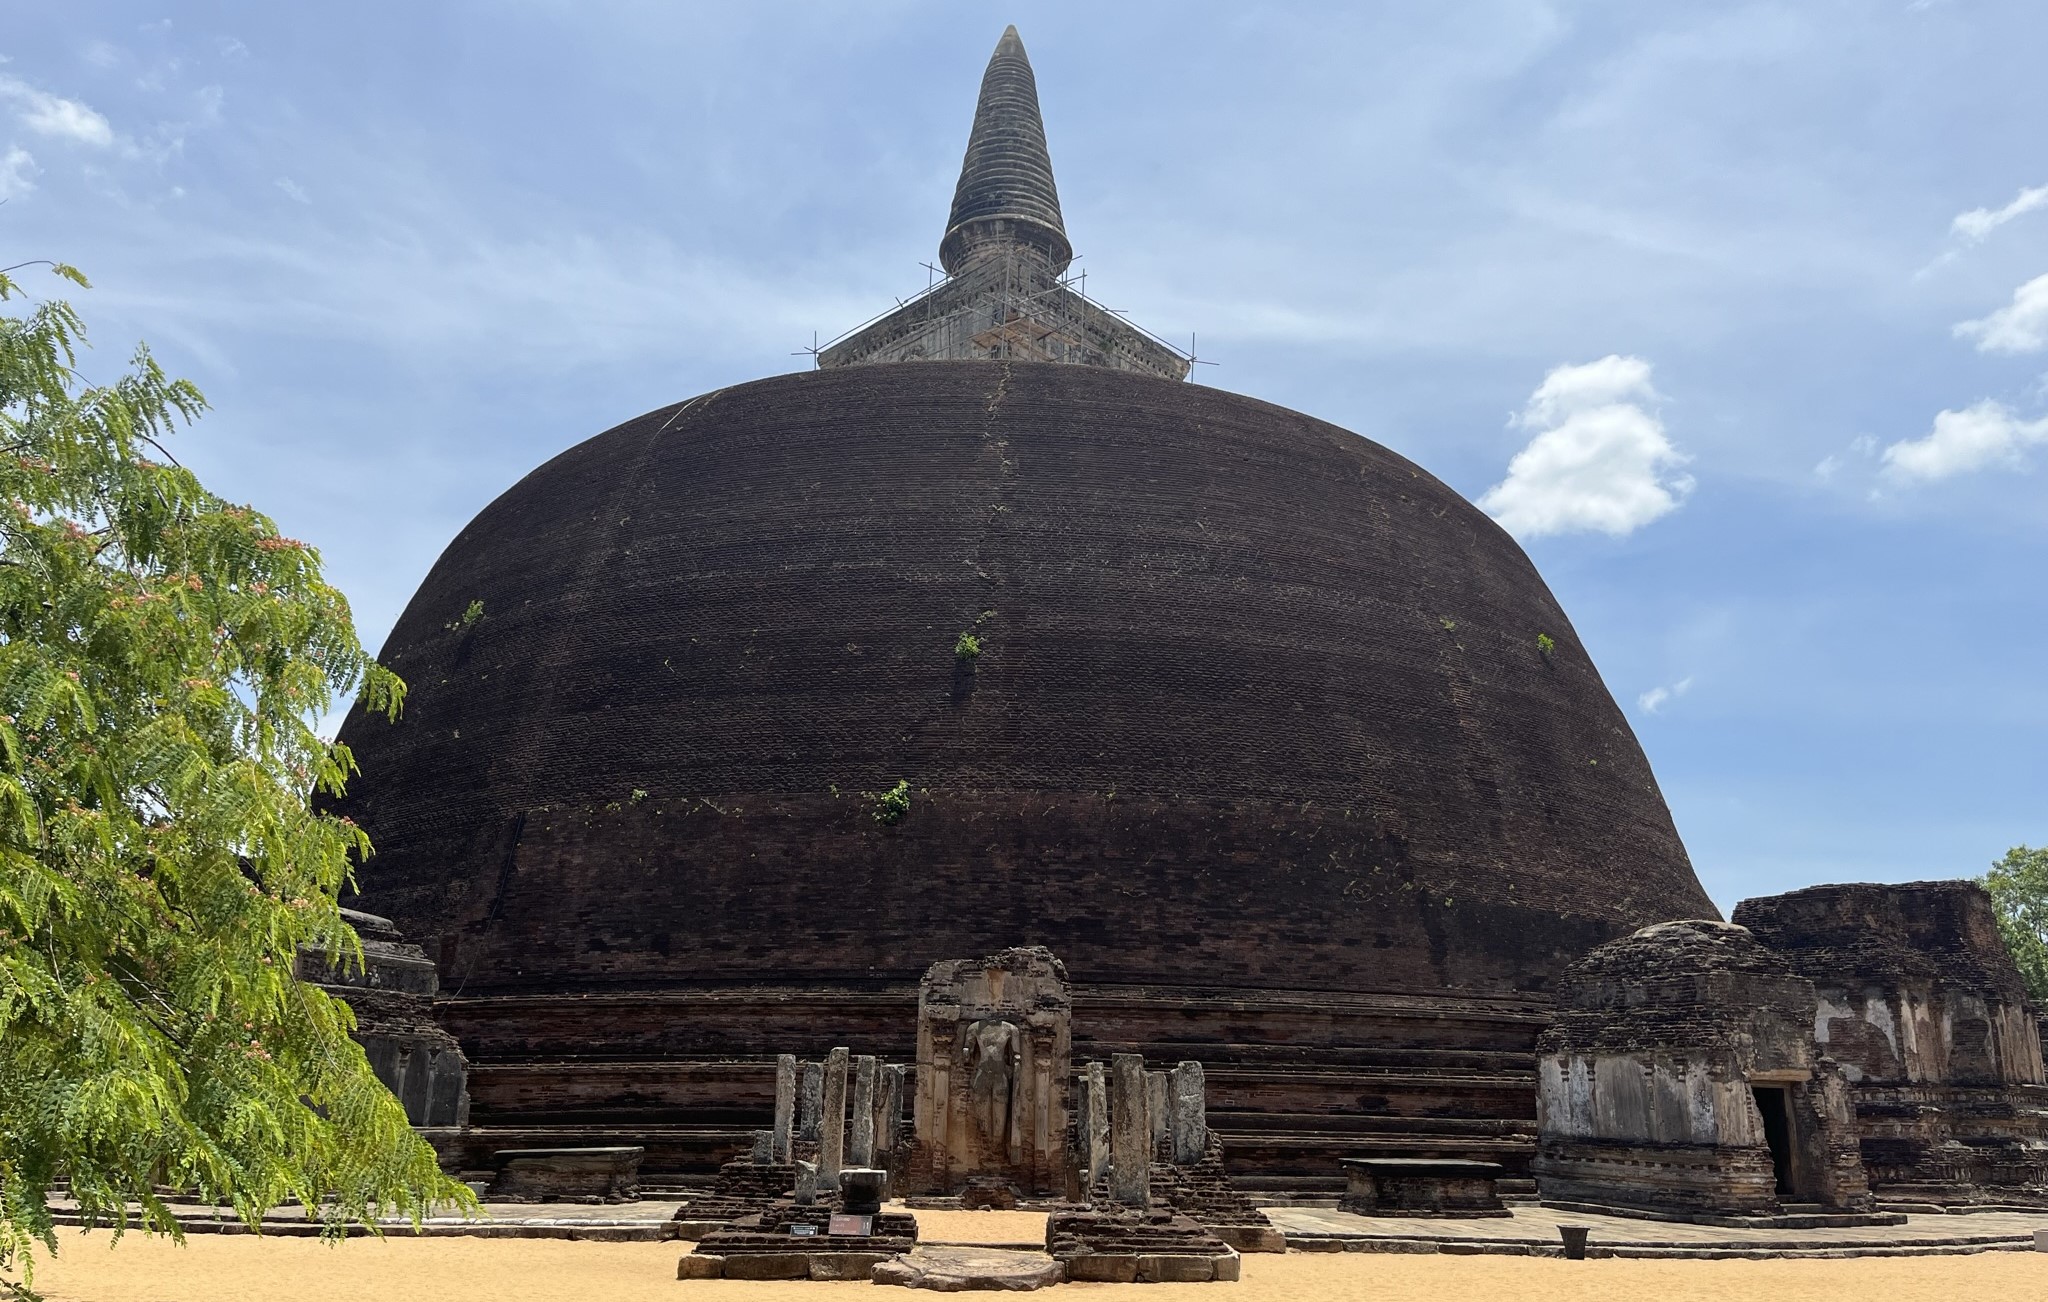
(1978, 223)
(1599, 460)
(1977, 436)
(17, 172)
(1863, 445)
(1657, 697)
(2021, 326)
(50, 115)
(293, 190)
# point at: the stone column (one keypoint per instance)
(1083, 1157)
(832, 1121)
(934, 1115)
(1130, 1132)
(760, 1153)
(889, 1109)
(813, 1102)
(1095, 1123)
(1155, 1102)
(1187, 1095)
(860, 1149)
(785, 1108)
(1045, 1154)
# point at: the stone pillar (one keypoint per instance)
(806, 1184)
(1130, 1132)
(785, 1108)
(832, 1121)
(1084, 1159)
(860, 1148)
(1095, 1123)
(1188, 1110)
(889, 1109)
(813, 1102)
(1155, 1103)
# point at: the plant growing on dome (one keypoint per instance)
(890, 806)
(1545, 644)
(471, 615)
(165, 657)
(966, 647)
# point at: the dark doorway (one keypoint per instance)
(1771, 1103)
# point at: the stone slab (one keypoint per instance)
(610, 1175)
(769, 1265)
(970, 1269)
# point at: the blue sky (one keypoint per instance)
(1736, 313)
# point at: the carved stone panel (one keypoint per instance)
(993, 1049)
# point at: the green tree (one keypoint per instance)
(164, 658)
(2019, 891)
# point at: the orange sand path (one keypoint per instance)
(211, 1268)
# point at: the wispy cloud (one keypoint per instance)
(1978, 223)
(1600, 460)
(1863, 445)
(2021, 326)
(17, 172)
(54, 116)
(293, 190)
(1982, 434)
(1658, 697)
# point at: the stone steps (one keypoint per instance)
(1252, 1127)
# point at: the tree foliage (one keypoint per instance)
(164, 657)
(2018, 885)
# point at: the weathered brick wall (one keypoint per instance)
(1922, 1004)
(1917, 983)
(392, 996)
(1645, 1080)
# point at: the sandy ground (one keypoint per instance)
(212, 1268)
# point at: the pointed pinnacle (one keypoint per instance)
(1006, 193)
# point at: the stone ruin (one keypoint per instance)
(994, 1041)
(392, 996)
(1120, 1157)
(820, 1129)
(1921, 1004)
(1159, 1207)
(1680, 1078)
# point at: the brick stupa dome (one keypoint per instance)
(1259, 741)
(1258, 704)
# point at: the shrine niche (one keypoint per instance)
(993, 1046)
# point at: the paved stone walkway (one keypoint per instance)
(1532, 1231)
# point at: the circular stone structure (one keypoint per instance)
(1282, 746)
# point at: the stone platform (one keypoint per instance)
(647, 1221)
(1532, 1231)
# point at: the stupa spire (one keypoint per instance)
(1006, 194)
(1006, 251)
